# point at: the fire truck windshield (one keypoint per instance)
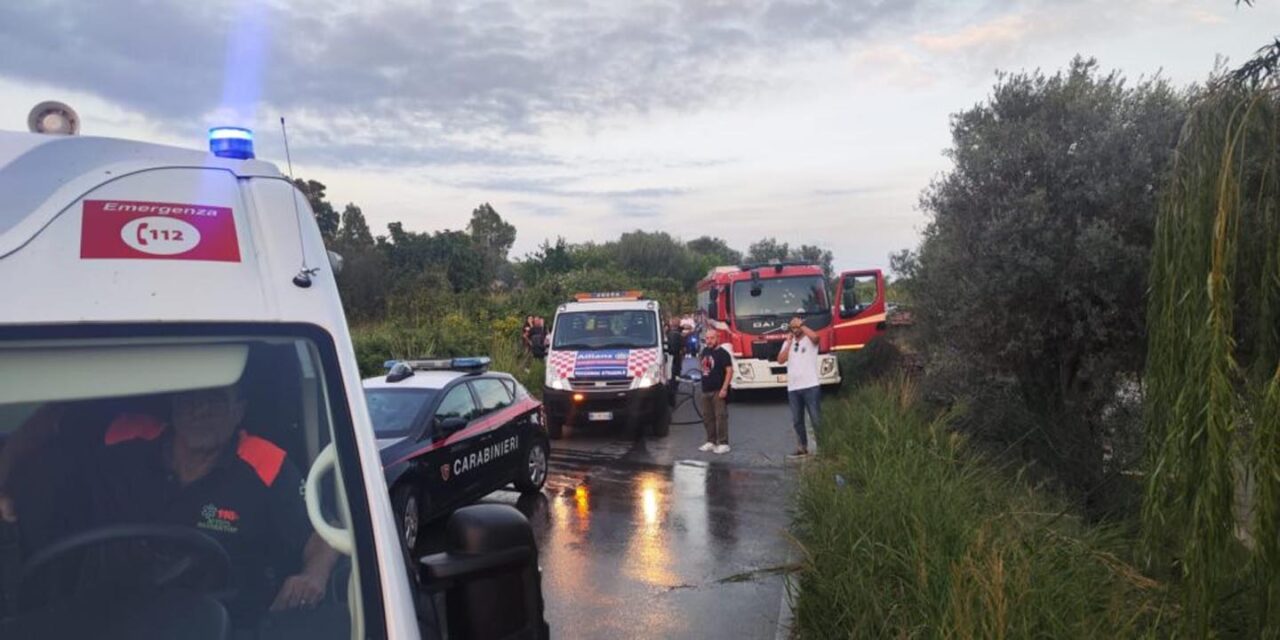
(780, 297)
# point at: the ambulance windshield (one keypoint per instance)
(606, 329)
(151, 481)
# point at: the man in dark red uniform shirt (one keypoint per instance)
(201, 471)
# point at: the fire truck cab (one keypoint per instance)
(750, 306)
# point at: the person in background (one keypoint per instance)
(675, 349)
(800, 354)
(717, 372)
(524, 333)
(537, 338)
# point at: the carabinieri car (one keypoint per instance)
(450, 432)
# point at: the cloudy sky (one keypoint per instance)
(815, 121)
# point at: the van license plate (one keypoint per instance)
(597, 416)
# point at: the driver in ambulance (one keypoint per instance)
(201, 470)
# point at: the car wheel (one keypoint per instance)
(408, 509)
(533, 473)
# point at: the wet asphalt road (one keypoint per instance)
(655, 539)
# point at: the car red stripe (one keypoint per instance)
(487, 423)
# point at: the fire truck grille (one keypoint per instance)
(765, 350)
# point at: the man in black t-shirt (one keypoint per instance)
(538, 338)
(675, 349)
(717, 372)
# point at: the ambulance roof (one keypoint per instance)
(610, 305)
(34, 167)
(72, 245)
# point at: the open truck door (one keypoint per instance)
(859, 309)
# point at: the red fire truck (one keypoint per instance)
(750, 306)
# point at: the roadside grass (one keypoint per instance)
(906, 532)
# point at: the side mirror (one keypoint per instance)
(452, 424)
(489, 575)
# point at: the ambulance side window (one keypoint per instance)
(456, 404)
(493, 395)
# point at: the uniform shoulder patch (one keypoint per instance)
(262, 455)
(133, 426)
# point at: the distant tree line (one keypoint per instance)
(404, 272)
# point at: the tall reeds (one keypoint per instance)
(1213, 483)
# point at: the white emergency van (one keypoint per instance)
(185, 449)
(606, 365)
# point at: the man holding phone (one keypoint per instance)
(800, 354)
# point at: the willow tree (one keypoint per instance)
(1213, 357)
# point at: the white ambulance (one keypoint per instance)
(606, 365)
(185, 450)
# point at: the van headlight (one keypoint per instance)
(559, 384)
(745, 371)
(650, 378)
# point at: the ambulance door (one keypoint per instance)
(859, 312)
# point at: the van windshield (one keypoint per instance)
(164, 477)
(606, 329)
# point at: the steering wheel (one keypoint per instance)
(188, 552)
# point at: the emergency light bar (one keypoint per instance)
(607, 296)
(231, 142)
(400, 369)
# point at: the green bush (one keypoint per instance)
(906, 532)
(879, 358)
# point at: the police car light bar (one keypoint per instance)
(607, 296)
(231, 142)
(473, 364)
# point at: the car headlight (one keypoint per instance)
(745, 370)
(828, 367)
(560, 384)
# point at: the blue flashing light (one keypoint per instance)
(478, 363)
(231, 142)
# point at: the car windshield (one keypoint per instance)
(794, 295)
(606, 329)
(393, 410)
(165, 477)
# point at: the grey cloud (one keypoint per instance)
(847, 191)
(559, 186)
(405, 68)
(539, 209)
(636, 209)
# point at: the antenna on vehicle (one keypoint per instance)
(303, 279)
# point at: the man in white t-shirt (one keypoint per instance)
(800, 354)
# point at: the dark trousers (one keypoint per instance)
(715, 417)
(802, 400)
